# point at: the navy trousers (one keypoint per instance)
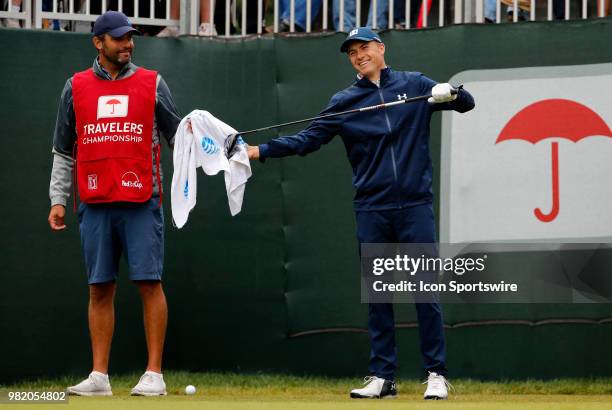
(409, 225)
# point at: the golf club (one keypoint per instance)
(232, 139)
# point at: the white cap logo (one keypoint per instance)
(111, 106)
(353, 32)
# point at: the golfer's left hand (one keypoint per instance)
(441, 93)
(253, 151)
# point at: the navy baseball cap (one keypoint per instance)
(113, 23)
(359, 34)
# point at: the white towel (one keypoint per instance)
(204, 148)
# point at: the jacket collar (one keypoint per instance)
(364, 82)
(126, 71)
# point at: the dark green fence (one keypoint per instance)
(275, 288)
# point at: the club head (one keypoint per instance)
(231, 144)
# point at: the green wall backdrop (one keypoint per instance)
(277, 287)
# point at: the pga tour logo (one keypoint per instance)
(92, 182)
(130, 180)
(113, 106)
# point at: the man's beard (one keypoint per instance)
(117, 60)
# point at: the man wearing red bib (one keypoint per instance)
(106, 145)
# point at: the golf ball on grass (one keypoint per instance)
(190, 389)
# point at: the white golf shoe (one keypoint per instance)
(150, 384)
(96, 384)
(376, 388)
(437, 387)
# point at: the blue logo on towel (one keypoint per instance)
(240, 141)
(209, 146)
(186, 190)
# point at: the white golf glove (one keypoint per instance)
(441, 93)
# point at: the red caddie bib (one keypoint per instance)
(114, 121)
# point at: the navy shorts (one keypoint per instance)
(133, 229)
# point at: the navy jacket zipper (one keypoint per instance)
(391, 145)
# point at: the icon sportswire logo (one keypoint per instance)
(113, 106)
(131, 180)
(209, 146)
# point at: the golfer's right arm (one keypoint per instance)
(310, 139)
(64, 137)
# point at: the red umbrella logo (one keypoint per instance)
(112, 103)
(549, 119)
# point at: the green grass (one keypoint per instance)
(263, 391)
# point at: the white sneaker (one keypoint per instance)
(12, 23)
(437, 387)
(150, 384)
(376, 388)
(169, 31)
(96, 384)
(206, 29)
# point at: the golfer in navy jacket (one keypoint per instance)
(392, 174)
